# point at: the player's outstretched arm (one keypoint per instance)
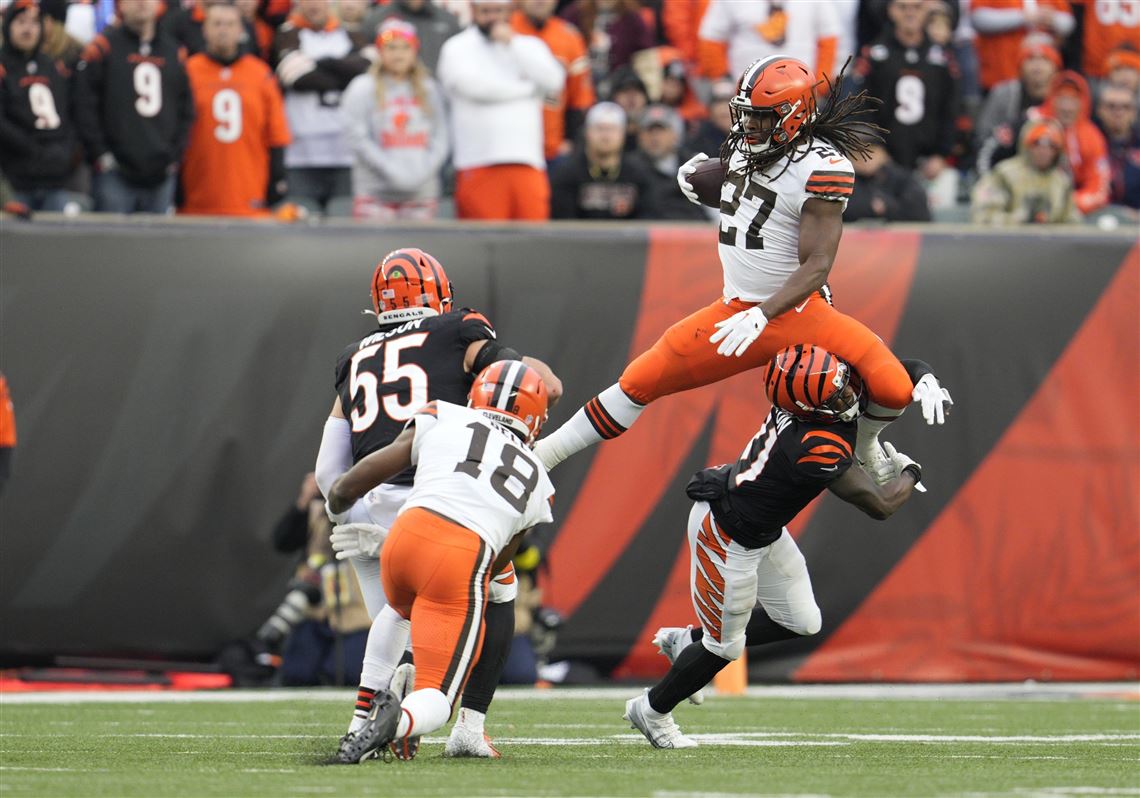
(553, 384)
(878, 501)
(378, 467)
(821, 227)
(481, 354)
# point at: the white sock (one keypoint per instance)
(423, 712)
(387, 640)
(604, 417)
(470, 719)
(873, 421)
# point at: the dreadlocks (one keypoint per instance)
(841, 122)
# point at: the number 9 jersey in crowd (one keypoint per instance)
(760, 216)
(477, 473)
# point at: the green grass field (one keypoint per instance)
(579, 746)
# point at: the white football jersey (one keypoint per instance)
(760, 217)
(477, 473)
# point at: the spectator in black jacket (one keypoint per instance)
(917, 82)
(39, 149)
(659, 145)
(599, 180)
(134, 110)
(885, 191)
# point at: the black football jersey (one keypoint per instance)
(385, 377)
(787, 464)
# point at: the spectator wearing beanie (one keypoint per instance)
(1086, 151)
(434, 25)
(1009, 100)
(134, 109)
(626, 89)
(496, 80)
(599, 180)
(660, 139)
(396, 123)
(37, 132)
(235, 161)
(677, 92)
(57, 42)
(1030, 188)
(1124, 69)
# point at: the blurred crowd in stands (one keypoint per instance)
(999, 111)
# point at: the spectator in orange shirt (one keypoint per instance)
(235, 161)
(1107, 25)
(1070, 103)
(564, 112)
(7, 432)
(1002, 24)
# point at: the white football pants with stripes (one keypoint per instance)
(727, 581)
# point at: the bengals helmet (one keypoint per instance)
(514, 394)
(409, 284)
(813, 384)
(780, 90)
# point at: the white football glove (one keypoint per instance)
(336, 518)
(686, 169)
(357, 540)
(739, 331)
(899, 462)
(935, 399)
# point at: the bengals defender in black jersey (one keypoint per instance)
(424, 350)
(748, 579)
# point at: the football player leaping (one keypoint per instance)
(748, 581)
(477, 489)
(424, 349)
(781, 217)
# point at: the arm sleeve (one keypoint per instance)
(537, 63)
(335, 455)
(997, 20)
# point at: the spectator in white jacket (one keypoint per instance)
(395, 122)
(496, 81)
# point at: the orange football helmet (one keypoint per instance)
(781, 91)
(811, 383)
(514, 393)
(409, 284)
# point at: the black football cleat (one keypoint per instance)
(378, 730)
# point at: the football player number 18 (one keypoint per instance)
(510, 458)
(393, 371)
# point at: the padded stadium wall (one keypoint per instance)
(171, 382)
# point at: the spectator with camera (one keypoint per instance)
(1032, 187)
(321, 625)
(600, 180)
(396, 124)
(235, 161)
(134, 110)
(39, 149)
(315, 59)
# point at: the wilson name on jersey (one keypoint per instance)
(478, 473)
(787, 464)
(385, 377)
(759, 241)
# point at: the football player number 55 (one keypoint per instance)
(393, 371)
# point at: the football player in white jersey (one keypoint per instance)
(787, 180)
(478, 488)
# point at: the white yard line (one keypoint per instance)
(873, 692)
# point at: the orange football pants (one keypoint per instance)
(436, 574)
(683, 357)
(502, 192)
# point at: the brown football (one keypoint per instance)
(707, 180)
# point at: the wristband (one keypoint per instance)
(914, 470)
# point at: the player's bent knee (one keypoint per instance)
(730, 650)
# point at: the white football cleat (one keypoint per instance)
(402, 684)
(670, 642)
(661, 730)
(465, 742)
